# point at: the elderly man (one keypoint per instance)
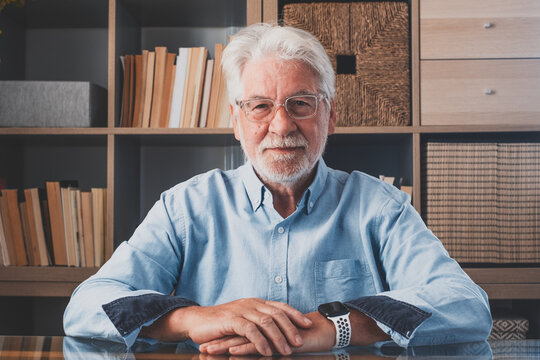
(282, 254)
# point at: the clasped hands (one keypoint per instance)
(246, 326)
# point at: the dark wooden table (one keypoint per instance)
(56, 347)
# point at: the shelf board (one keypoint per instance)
(499, 283)
(374, 130)
(444, 129)
(508, 283)
(339, 130)
(55, 131)
(167, 131)
(41, 281)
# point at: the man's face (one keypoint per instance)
(282, 150)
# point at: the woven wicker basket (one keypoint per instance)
(377, 35)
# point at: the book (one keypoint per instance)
(159, 84)
(149, 87)
(178, 89)
(35, 218)
(216, 84)
(75, 195)
(187, 101)
(56, 213)
(99, 224)
(12, 222)
(144, 71)
(137, 116)
(131, 89)
(30, 241)
(199, 70)
(123, 112)
(5, 258)
(128, 90)
(69, 227)
(47, 225)
(205, 101)
(168, 87)
(87, 224)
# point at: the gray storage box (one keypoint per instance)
(52, 104)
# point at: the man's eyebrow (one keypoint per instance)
(296, 93)
(303, 92)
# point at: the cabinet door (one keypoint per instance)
(467, 29)
(480, 92)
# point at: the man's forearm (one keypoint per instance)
(169, 326)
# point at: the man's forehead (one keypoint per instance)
(270, 77)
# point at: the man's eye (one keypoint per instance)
(300, 103)
(259, 107)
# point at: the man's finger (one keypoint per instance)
(245, 349)
(267, 323)
(286, 327)
(249, 330)
(296, 316)
(221, 346)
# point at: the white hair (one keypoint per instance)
(283, 42)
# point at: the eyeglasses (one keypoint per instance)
(298, 107)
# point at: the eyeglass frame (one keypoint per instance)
(318, 96)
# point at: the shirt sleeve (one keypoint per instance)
(428, 298)
(133, 288)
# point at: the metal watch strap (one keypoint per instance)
(343, 330)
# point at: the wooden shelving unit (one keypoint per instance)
(121, 157)
(41, 281)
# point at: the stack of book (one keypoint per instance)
(59, 225)
(483, 199)
(165, 90)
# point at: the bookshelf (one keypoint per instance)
(83, 39)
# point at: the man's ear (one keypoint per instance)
(333, 119)
(234, 122)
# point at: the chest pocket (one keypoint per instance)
(342, 280)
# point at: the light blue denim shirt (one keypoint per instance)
(217, 238)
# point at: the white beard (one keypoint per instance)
(284, 169)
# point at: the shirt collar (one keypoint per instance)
(256, 190)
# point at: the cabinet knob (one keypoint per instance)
(489, 91)
(488, 25)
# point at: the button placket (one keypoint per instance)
(278, 284)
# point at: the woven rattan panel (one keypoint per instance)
(483, 200)
(377, 35)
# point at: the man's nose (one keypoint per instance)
(282, 123)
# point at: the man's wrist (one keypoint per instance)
(365, 330)
(171, 326)
(338, 314)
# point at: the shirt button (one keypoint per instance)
(311, 204)
(278, 279)
(280, 230)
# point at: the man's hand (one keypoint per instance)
(321, 336)
(266, 325)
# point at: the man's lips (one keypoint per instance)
(285, 149)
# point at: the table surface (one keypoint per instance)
(57, 347)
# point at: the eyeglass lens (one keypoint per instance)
(298, 107)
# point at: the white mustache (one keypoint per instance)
(283, 142)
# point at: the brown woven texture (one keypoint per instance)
(483, 200)
(377, 35)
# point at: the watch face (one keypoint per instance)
(333, 309)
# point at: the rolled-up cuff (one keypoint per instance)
(399, 316)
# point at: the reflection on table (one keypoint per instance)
(51, 347)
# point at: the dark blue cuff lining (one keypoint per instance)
(402, 317)
(131, 312)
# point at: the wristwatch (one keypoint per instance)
(339, 315)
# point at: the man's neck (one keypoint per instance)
(286, 196)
